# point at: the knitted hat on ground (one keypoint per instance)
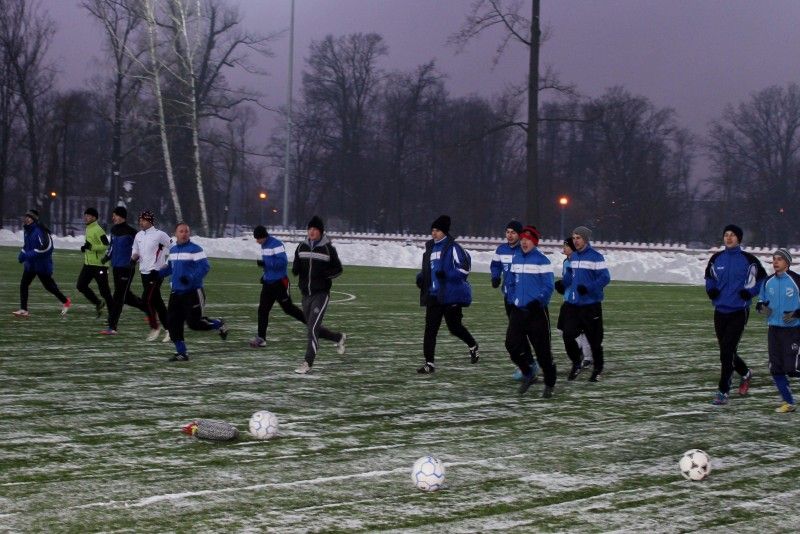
(442, 223)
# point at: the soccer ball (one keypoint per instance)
(428, 473)
(263, 425)
(695, 465)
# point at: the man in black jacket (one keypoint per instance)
(317, 263)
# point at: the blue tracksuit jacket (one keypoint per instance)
(188, 265)
(37, 250)
(273, 253)
(731, 270)
(532, 278)
(587, 268)
(501, 266)
(781, 292)
(122, 236)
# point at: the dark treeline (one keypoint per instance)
(372, 149)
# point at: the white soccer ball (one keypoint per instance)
(428, 473)
(263, 425)
(695, 465)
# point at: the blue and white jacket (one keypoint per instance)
(586, 268)
(532, 278)
(450, 287)
(501, 266)
(187, 261)
(731, 270)
(781, 292)
(273, 254)
(37, 249)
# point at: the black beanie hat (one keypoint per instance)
(260, 232)
(317, 223)
(33, 214)
(442, 223)
(514, 225)
(92, 212)
(121, 211)
(735, 229)
(570, 243)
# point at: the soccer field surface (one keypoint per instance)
(90, 425)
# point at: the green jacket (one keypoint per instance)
(96, 236)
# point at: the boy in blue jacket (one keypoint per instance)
(583, 297)
(779, 301)
(733, 278)
(529, 321)
(188, 265)
(274, 284)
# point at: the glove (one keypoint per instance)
(495, 283)
(260, 263)
(132, 264)
(789, 317)
(533, 305)
(285, 282)
(184, 279)
(105, 259)
(83, 247)
(21, 256)
(745, 294)
(87, 246)
(419, 282)
(560, 287)
(764, 309)
(713, 293)
(440, 275)
(582, 289)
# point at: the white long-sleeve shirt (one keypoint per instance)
(151, 246)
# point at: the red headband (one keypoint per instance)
(530, 233)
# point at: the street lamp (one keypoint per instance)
(262, 196)
(563, 201)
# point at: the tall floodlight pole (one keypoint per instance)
(288, 165)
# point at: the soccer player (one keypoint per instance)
(500, 268)
(733, 278)
(779, 301)
(188, 265)
(94, 250)
(150, 247)
(583, 296)
(36, 258)
(529, 322)
(274, 284)
(567, 249)
(119, 254)
(444, 291)
(317, 263)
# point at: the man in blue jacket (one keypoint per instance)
(274, 284)
(119, 254)
(444, 291)
(36, 258)
(583, 296)
(779, 301)
(188, 265)
(733, 278)
(529, 322)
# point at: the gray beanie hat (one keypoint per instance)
(584, 232)
(783, 253)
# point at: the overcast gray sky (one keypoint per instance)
(691, 55)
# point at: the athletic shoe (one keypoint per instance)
(426, 369)
(517, 375)
(534, 370)
(21, 313)
(340, 345)
(473, 354)
(108, 332)
(304, 368)
(223, 330)
(576, 370)
(720, 398)
(526, 383)
(166, 339)
(258, 342)
(595, 376)
(65, 308)
(744, 383)
(180, 357)
(786, 408)
(547, 393)
(154, 332)
(99, 309)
